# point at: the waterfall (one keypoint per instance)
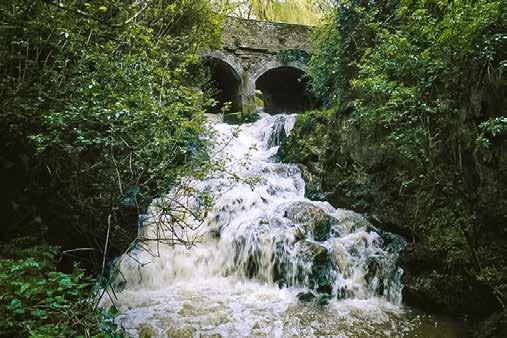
(260, 252)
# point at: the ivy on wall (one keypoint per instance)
(293, 55)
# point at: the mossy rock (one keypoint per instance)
(494, 326)
(321, 229)
(233, 118)
(145, 332)
(239, 118)
(324, 299)
(306, 297)
(313, 219)
(321, 278)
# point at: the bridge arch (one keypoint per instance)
(283, 86)
(265, 66)
(227, 80)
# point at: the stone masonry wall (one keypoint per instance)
(251, 40)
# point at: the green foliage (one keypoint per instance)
(38, 301)
(406, 76)
(339, 43)
(305, 146)
(259, 99)
(307, 12)
(490, 130)
(105, 100)
(307, 138)
(293, 55)
(410, 90)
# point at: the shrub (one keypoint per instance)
(102, 112)
(38, 301)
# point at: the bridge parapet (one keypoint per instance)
(251, 40)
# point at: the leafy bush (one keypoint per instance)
(102, 111)
(103, 103)
(421, 81)
(491, 130)
(38, 301)
(293, 55)
(306, 141)
(305, 146)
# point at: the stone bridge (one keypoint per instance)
(263, 59)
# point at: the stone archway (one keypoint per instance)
(283, 86)
(227, 77)
(266, 65)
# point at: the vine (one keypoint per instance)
(293, 55)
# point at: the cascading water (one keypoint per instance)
(268, 261)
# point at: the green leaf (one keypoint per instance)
(113, 310)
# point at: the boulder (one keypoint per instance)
(312, 218)
(233, 118)
(494, 326)
(316, 251)
(299, 234)
(324, 299)
(306, 297)
(239, 118)
(322, 275)
(428, 286)
(325, 289)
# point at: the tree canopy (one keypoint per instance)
(307, 12)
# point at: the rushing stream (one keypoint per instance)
(267, 261)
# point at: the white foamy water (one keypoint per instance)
(260, 246)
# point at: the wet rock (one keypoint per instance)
(239, 118)
(341, 293)
(299, 234)
(324, 299)
(341, 256)
(306, 297)
(233, 118)
(215, 233)
(182, 332)
(392, 242)
(278, 136)
(312, 181)
(317, 251)
(372, 269)
(312, 218)
(145, 332)
(494, 326)
(321, 229)
(325, 289)
(321, 278)
(322, 275)
(351, 221)
(316, 195)
(281, 284)
(438, 292)
(428, 281)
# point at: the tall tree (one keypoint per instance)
(290, 11)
